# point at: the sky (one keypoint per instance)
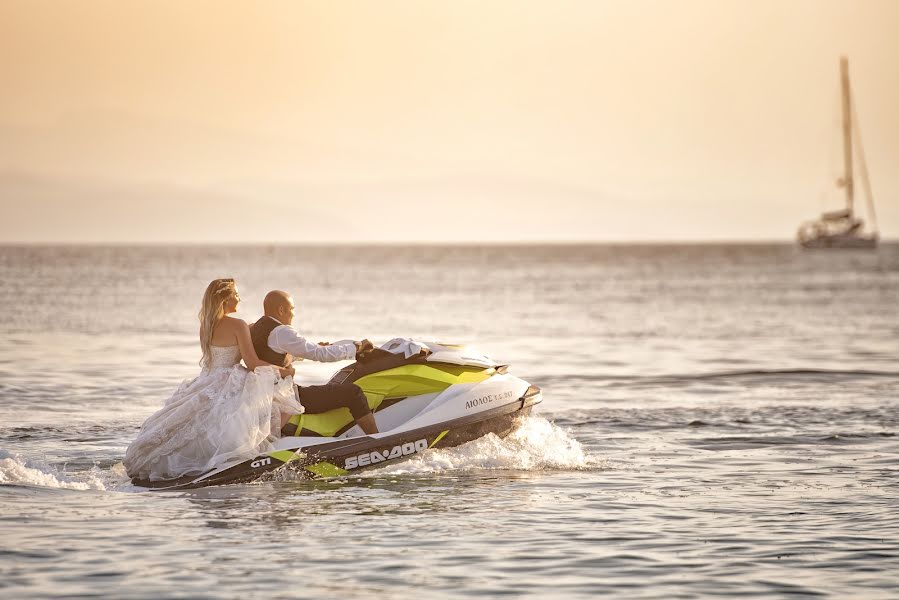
(438, 121)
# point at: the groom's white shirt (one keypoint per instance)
(284, 339)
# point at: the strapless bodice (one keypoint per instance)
(224, 357)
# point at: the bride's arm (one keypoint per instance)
(248, 353)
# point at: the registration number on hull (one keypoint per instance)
(371, 458)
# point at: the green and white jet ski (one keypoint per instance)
(434, 396)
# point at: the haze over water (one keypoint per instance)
(717, 421)
(458, 121)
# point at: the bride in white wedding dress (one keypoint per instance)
(228, 412)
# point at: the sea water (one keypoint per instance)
(717, 421)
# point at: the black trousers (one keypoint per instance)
(322, 398)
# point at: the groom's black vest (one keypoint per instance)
(259, 332)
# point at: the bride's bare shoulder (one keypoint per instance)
(233, 323)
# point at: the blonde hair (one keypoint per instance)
(211, 312)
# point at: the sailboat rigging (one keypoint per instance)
(842, 228)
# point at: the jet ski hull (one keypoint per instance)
(345, 456)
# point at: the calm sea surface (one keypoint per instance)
(717, 421)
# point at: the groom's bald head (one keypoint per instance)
(279, 304)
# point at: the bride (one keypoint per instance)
(227, 412)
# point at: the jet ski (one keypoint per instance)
(424, 395)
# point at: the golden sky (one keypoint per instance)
(157, 121)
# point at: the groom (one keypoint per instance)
(277, 342)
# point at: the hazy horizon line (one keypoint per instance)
(420, 243)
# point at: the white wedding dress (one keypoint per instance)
(224, 414)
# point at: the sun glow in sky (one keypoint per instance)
(408, 120)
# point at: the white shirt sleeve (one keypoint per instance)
(287, 340)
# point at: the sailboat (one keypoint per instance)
(842, 228)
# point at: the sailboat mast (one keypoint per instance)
(847, 134)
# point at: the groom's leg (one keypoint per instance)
(322, 398)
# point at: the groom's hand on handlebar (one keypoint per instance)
(363, 347)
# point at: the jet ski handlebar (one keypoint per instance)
(367, 356)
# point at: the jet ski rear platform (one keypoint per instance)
(440, 397)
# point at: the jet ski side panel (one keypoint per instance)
(390, 377)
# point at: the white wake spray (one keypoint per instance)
(16, 470)
(536, 445)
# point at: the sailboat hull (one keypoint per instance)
(840, 242)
